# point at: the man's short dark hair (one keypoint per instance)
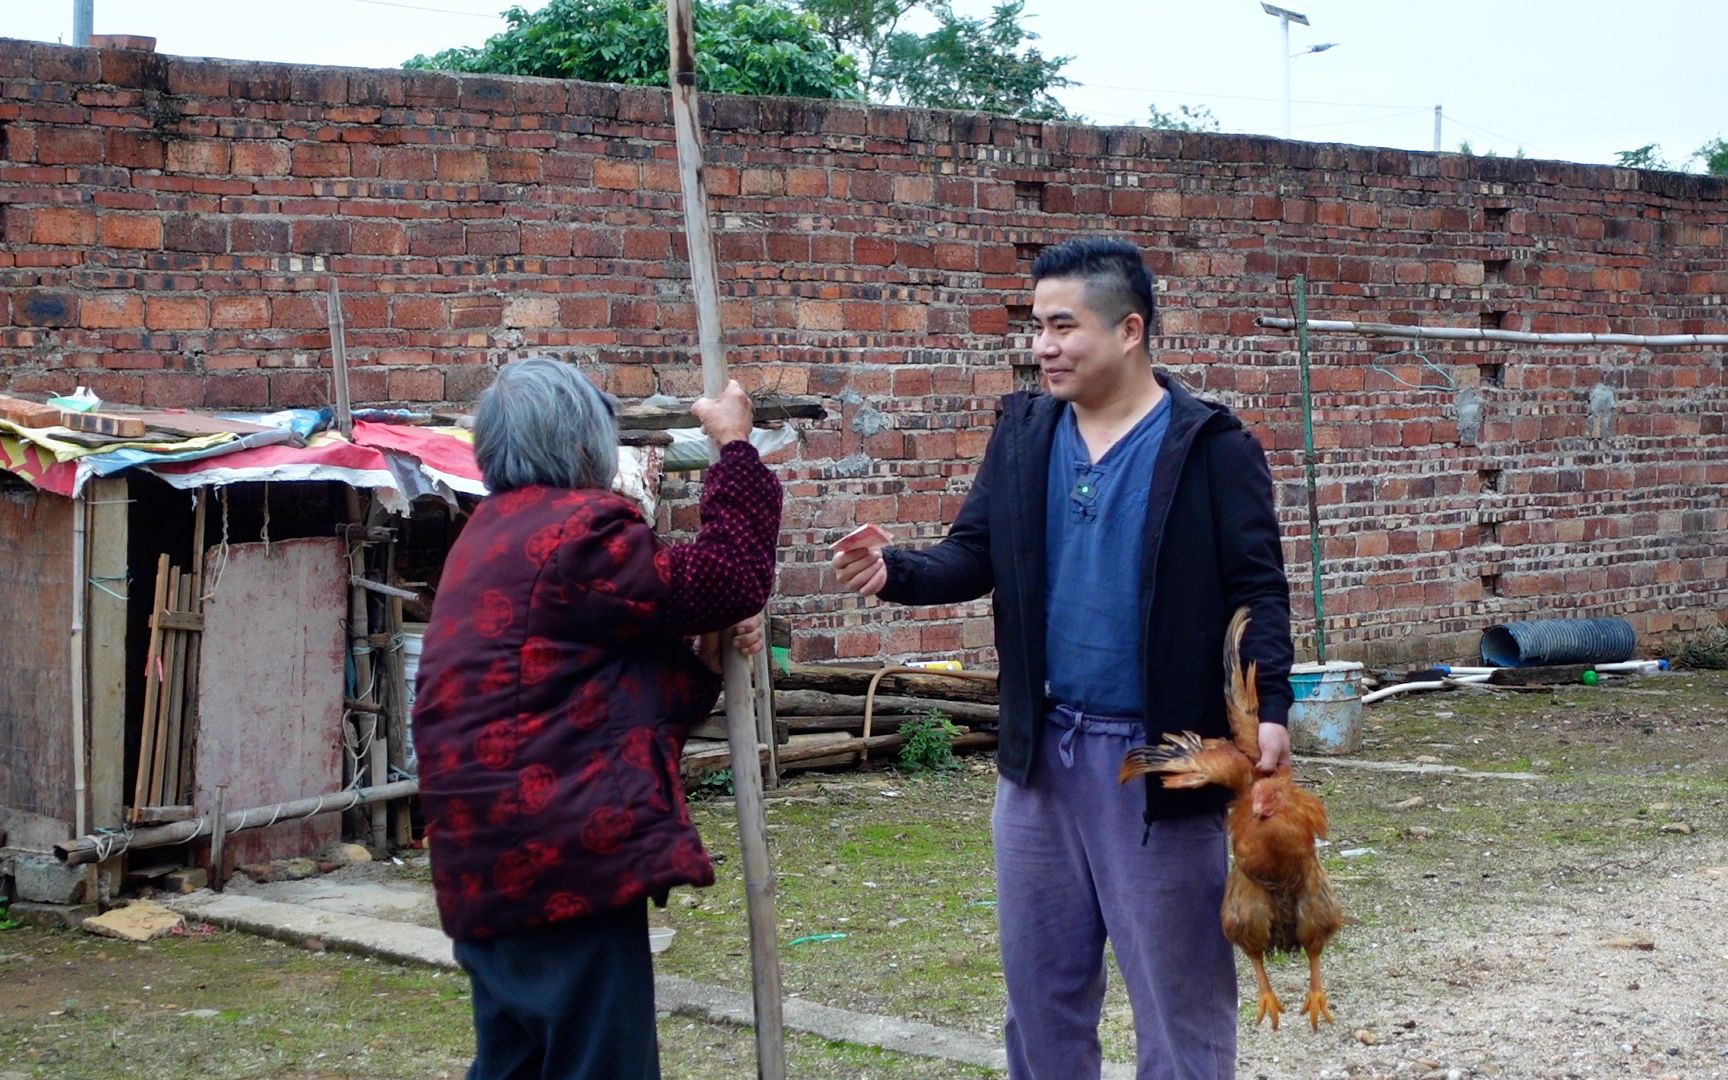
(1117, 282)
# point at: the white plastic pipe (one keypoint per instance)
(1634, 665)
(1407, 687)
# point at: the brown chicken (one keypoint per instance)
(1277, 896)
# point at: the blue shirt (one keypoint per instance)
(1094, 531)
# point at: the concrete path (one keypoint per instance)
(319, 913)
(1416, 767)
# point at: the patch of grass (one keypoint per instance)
(1706, 652)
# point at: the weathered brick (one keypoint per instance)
(111, 310)
(176, 313)
(139, 231)
(208, 156)
(416, 385)
(240, 312)
(41, 307)
(70, 146)
(63, 225)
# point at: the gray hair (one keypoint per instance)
(542, 423)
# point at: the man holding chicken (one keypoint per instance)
(1120, 521)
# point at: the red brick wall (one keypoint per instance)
(170, 226)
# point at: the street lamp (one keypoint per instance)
(1285, 17)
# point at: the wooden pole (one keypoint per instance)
(339, 361)
(740, 699)
(88, 849)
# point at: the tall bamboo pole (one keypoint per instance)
(1309, 460)
(740, 701)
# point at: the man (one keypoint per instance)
(1120, 521)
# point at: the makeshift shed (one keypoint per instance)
(216, 617)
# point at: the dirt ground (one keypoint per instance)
(1548, 909)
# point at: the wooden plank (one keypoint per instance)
(187, 424)
(396, 718)
(165, 677)
(152, 690)
(172, 790)
(195, 645)
(162, 815)
(187, 621)
(269, 728)
(105, 614)
(1544, 675)
(36, 746)
(109, 424)
(106, 607)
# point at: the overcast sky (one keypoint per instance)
(1575, 80)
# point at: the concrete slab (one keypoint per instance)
(323, 911)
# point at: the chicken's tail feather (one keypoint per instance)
(1188, 761)
(1241, 698)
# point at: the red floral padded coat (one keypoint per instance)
(557, 686)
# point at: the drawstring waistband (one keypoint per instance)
(1073, 722)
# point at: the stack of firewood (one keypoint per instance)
(828, 716)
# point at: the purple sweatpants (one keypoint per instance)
(1071, 871)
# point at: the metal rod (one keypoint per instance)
(1467, 333)
(1436, 129)
(740, 701)
(1308, 465)
(99, 846)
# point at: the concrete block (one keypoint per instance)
(140, 921)
(45, 879)
(187, 879)
(51, 916)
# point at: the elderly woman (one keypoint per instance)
(557, 685)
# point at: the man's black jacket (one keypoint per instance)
(1211, 545)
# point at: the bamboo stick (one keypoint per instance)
(740, 705)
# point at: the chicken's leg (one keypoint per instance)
(1315, 1006)
(1269, 1003)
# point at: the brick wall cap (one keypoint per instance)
(137, 42)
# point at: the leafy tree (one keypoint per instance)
(1714, 156)
(1648, 156)
(742, 47)
(972, 65)
(1184, 119)
(860, 28)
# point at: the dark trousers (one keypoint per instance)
(573, 1002)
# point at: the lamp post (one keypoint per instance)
(1285, 17)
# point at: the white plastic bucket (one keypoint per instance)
(1326, 716)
